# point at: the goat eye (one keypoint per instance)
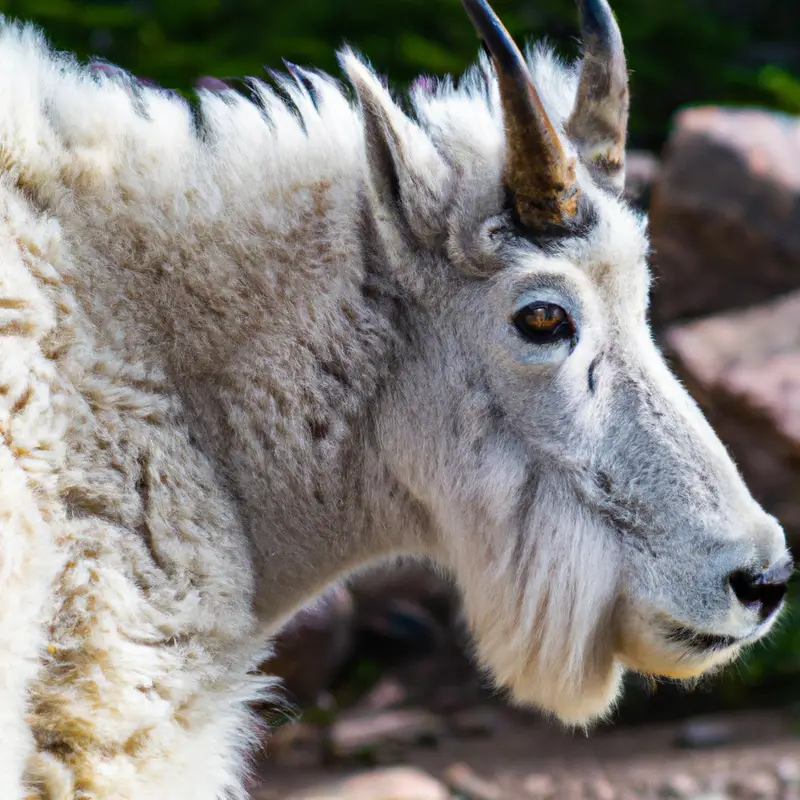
(543, 323)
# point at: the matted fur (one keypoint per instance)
(232, 372)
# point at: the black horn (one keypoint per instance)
(599, 122)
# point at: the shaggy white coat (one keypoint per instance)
(177, 472)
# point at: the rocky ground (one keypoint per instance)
(412, 720)
(492, 754)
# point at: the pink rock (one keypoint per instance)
(725, 212)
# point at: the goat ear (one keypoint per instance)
(408, 177)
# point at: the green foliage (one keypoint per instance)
(679, 51)
(782, 86)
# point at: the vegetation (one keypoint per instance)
(680, 51)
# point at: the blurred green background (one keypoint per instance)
(680, 51)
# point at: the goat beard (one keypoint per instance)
(543, 606)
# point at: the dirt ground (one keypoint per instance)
(517, 756)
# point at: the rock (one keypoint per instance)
(679, 786)
(464, 782)
(743, 368)
(314, 645)
(725, 212)
(697, 733)
(394, 783)
(641, 173)
(540, 786)
(385, 733)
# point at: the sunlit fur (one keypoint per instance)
(241, 359)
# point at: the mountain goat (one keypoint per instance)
(248, 349)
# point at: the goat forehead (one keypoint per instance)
(621, 288)
(614, 254)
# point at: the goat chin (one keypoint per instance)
(595, 700)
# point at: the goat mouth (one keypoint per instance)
(702, 642)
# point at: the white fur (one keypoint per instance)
(220, 391)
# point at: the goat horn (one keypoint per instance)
(599, 122)
(537, 171)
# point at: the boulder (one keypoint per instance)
(725, 212)
(743, 367)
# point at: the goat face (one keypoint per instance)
(593, 519)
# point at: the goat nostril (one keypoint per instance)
(745, 586)
(765, 590)
(772, 596)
